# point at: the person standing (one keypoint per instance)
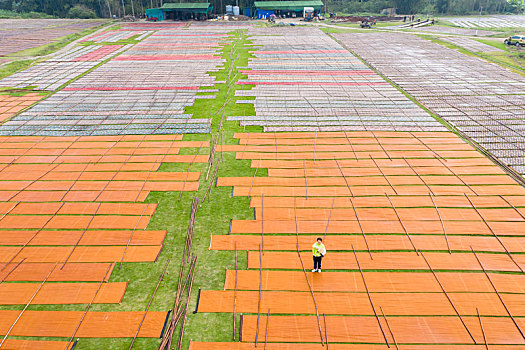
(319, 251)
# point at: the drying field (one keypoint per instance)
(470, 44)
(336, 92)
(482, 100)
(227, 149)
(11, 105)
(75, 171)
(22, 34)
(500, 21)
(424, 232)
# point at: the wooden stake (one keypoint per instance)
(401, 222)
(235, 294)
(344, 177)
(260, 292)
(509, 203)
(12, 270)
(482, 330)
(384, 176)
(81, 235)
(497, 293)
(361, 228)
(494, 234)
(262, 222)
(32, 237)
(442, 223)
(328, 221)
(369, 297)
(448, 298)
(389, 329)
(149, 304)
(131, 236)
(88, 307)
(266, 332)
(305, 274)
(419, 176)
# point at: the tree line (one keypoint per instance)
(81, 8)
(433, 7)
(120, 8)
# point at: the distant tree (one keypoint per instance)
(407, 6)
(441, 6)
(81, 11)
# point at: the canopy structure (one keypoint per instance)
(190, 7)
(294, 6)
(184, 10)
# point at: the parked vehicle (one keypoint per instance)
(518, 40)
(366, 24)
(308, 14)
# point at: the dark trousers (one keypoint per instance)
(317, 262)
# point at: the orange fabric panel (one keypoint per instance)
(325, 163)
(355, 140)
(75, 196)
(332, 191)
(517, 201)
(447, 214)
(24, 222)
(77, 208)
(376, 281)
(284, 346)
(80, 254)
(310, 346)
(28, 171)
(61, 293)
(90, 237)
(97, 222)
(158, 176)
(145, 150)
(52, 140)
(388, 261)
(389, 171)
(108, 208)
(382, 201)
(343, 146)
(170, 186)
(375, 242)
(351, 155)
(11, 105)
(301, 181)
(91, 272)
(106, 196)
(335, 138)
(368, 134)
(97, 185)
(28, 208)
(388, 227)
(104, 159)
(23, 344)
(149, 174)
(375, 180)
(95, 324)
(395, 304)
(73, 222)
(366, 329)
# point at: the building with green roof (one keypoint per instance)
(180, 11)
(267, 8)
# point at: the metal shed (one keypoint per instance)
(266, 8)
(181, 11)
